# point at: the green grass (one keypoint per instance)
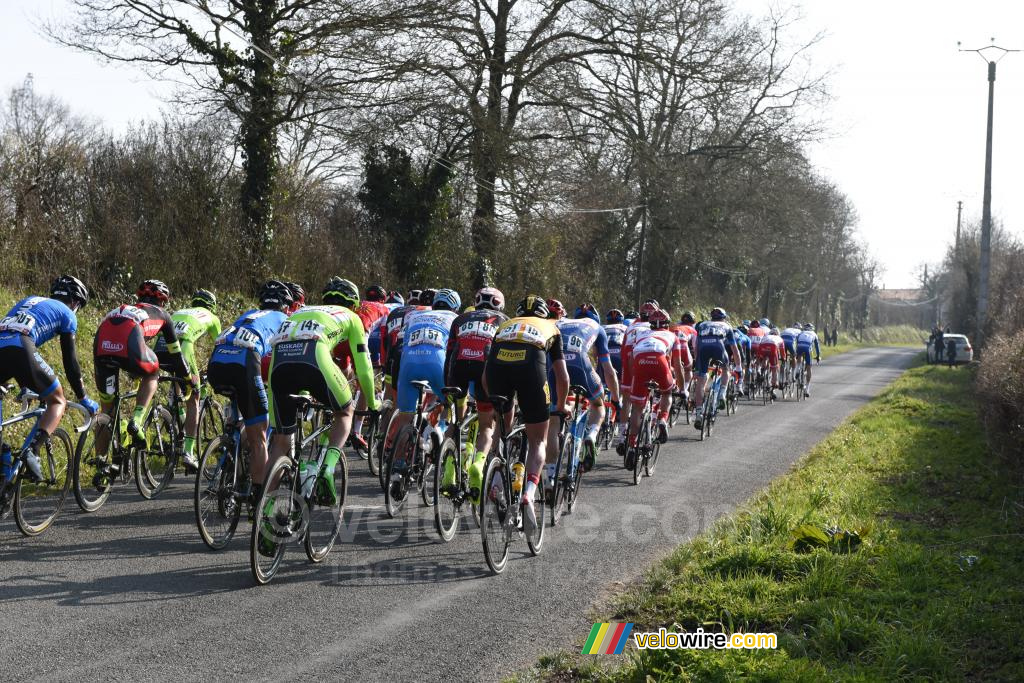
(934, 592)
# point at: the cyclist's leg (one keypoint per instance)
(106, 376)
(333, 391)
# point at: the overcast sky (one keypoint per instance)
(907, 118)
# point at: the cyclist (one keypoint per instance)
(687, 334)
(469, 344)
(391, 339)
(302, 362)
(789, 336)
(715, 342)
(655, 356)
(29, 324)
(298, 296)
(804, 342)
(769, 351)
(234, 369)
(634, 333)
(615, 330)
(190, 325)
(517, 367)
(424, 348)
(743, 344)
(581, 336)
(122, 343)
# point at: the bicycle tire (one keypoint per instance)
(557, 502)
(427, 471)
(535, 540)
(496, 515)
(446, 509)
(377, 437)
(396, 493)
(652, 460)
(323, 523)
(211, 423)
(642, 443)
(154, 465)
(265, 568)
(214, 493)
(36, 505)
(385, 454)
(87, 496)
(577, 483)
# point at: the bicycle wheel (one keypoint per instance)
(577, 482)
(557, 500)
(384, 454)
(426, 472)
(535, 540)
(325, 520)
(154, 464)
(217, 508)
(91, 492)
(375, 437)
(396, 490)
(211, 423)
(36, 505)
(447, 498)
(278, 520)
(652, 459)
(643, 442)
(495, 515)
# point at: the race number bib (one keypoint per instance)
(425, 336)
(180, 328)
(20, 322)
(523, 332)
(305, 330)
(246, 338)
(132, 313)
(574, 344)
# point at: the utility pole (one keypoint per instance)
(643, 244)
(986, 207)
(959, 213)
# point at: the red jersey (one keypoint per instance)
(369, 312)
(472, 334)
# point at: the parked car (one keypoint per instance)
(964, 352)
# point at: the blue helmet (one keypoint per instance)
(447, 299)
(587, 311)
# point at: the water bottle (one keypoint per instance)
(7, 462)
(517, 477)
(307, 476)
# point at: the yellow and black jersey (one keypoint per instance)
(516, 337)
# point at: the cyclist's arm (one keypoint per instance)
(361, 362)
(213, 330)
(173, 345)
(560, 370)
(71, 367)
(817, 349)
(610, 377)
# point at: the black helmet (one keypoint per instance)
(204, 298)
(298, 293)
(414, 297)
(275, 294)
(719, 314)
(70, 287)
(613, 316)
(533, 305)
(341, 291)
(395, 297)
(376, 293)
(427, 297)
(688, 318)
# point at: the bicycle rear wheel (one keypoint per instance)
(217, 508)
(398, 483)
(36, 505)
(325, 520)
(211, 423)
(278, 519)
(447, 498)
(577, 481)
(154, 464)
(496, 515)
(91, 492)
(535, 539)
(426, 473)
(652, 460)
(557, 500)
(375, 437)
(643, 442)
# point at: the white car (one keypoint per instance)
(964, 352)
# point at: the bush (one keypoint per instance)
(1000, 389)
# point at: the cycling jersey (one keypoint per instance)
(517, 366)
(687, 335)
(29, 324)
(469, 343)
(743, 345)
(789, 336)
(122, 343)
(580, 337)
(755, 334)
(369, 313)
(651, 358)
(635, 331)
(771, 349)
(424, 348)
(391, 341)
(302, 362)
(714, 339)
(235, 366)
(190, 324)
(804, 342)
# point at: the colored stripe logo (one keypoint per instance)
(608, 638)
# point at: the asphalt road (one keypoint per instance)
(130, 592)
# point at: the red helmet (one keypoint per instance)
(154, 289)
(647, 308)
(659, 318)
(556, 309)
(376, 293)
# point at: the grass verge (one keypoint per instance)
(933, 591)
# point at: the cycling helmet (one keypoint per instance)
(765, 322)
(490, 297)
(773, 330)
(275, 295)
(648, 307)
(746, 322)
(426, 297)
(414, 296)
(659, 318)
(533, 305)
(447, 299)
(809, 327)
(556, 311)
(587, 311)
(376, 293)
(71, 288)
(687, 318)
(718, 313)
(338, 290)
(394, 297)
(614, 316)
(298, 293)
(153, 290)
(754, 323)
(632, 315)
(204, 298)
(743, 328)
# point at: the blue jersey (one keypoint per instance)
(715, 335)
(426, 333)
(742, 341)
(253, 330)
(806, 340)
(579, 335)
(38, 317)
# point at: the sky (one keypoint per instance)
(906, 120)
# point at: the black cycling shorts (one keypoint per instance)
(304, 366)
(25, 364)
(464, 372)
(392, 366)
(243, 382)
(520, 371)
